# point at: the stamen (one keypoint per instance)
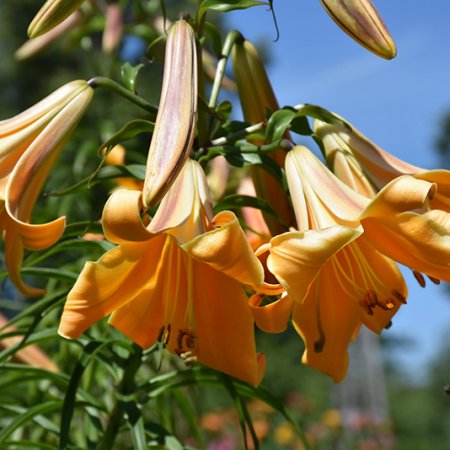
(398, 296)
(164, 334)
(420, 278)
(388, 325)
(434, 280)
(189, 358)
(186, 342)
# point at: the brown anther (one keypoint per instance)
(319, 345)
(401, 298)
(372, 297)
(160, 334)
(388, 325)
(434, 280)
(185, 340)
(366, 306)
(420, 278)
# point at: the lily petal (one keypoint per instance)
(227, 250)
(327, 321)
(273, 317)
(421, 242)
(106, 285)
(296, 258)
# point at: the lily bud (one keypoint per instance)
(256, 96)
(52, 13)
(361, 21)
(112, 33)
(34, 46)
(175, 123)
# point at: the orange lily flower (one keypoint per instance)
(29, 144)
(332, 271)
(177, 280)
(366, 168)
(350, 153)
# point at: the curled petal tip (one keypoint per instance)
(360, 20)
(175, 123)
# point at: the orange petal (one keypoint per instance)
(421, 242)
(273, 317)
(327, 320)
(104, 286)
(227, 250)
(297, 257)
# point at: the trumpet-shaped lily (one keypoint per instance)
(29, 144)
(178, 280)
(330, 268)
(175, 122)
(355, 159)
(361, 21)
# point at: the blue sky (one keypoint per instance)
(398, 104)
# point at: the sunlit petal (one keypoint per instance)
(421, 242)
(227, 250)
(297, 257)
(109, 283)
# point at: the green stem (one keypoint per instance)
(118, 89)
(212, 152)
(126, 387)
(232, 37)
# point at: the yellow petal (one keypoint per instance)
(419, 241)
(297, 257)
(227, 250)
(327, 320)
(273, 317)
(319, 198)
(109, 283)
(121, 218)
(175, 123)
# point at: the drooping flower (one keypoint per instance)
(175, 123)
(331, 269)
(178, 280)
(366, 168)
(29, 145)
(352, 156)
(361, 21)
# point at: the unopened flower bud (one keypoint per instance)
(360, 20)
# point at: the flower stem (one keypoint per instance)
(126, 387)
(118, 89)
(232, 37)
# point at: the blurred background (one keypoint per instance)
(396, 395)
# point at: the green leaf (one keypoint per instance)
(31, 413)
(128, 131)
(214, 34)
(47, 272)
(278, 124)
(129, 74)
(89, 352)
(224, 110)
(226, 5)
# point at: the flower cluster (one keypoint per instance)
(324, 257)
